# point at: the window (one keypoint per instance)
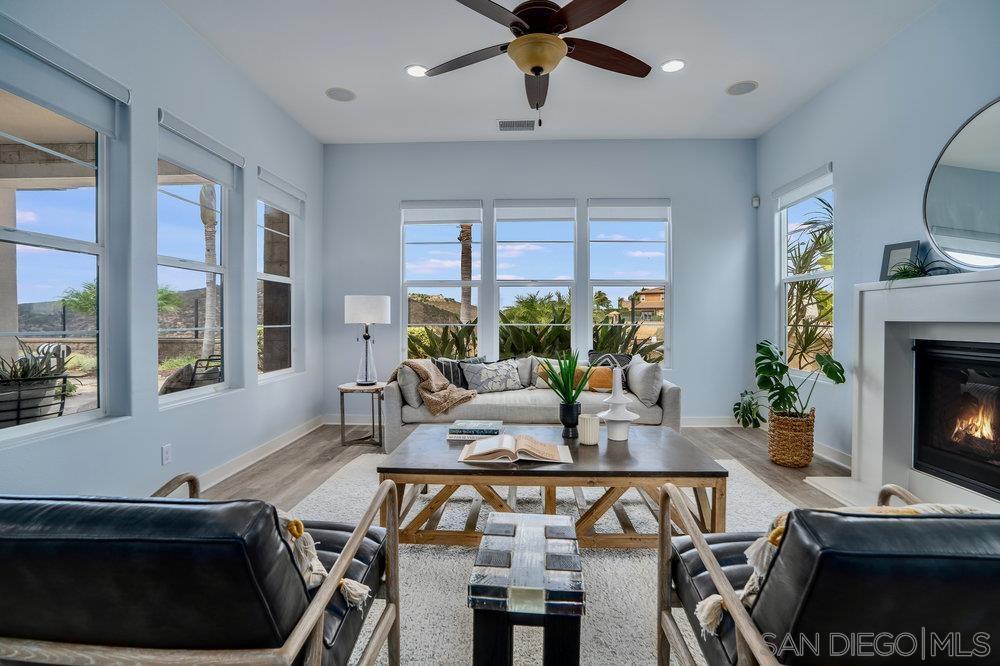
(629, 276)
(274, 289)
(805, 229)
(442, 259)
(535, 269)
(189, 219)
(51, 255)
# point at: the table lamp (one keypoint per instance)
(367, 310)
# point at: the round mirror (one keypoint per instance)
(962, 199)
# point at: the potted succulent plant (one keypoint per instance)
(33, 386)
(568, 379)
(790, 433)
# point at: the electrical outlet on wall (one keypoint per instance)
(166, 454)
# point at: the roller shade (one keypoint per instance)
(34, 68)
(469, 211)
(280, 193)
(600, 210)
(804, 187)
(535, 209)
(189, 147)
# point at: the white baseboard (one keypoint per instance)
(241, 462)
(832, 454)
(708, 422)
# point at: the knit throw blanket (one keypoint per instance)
(434, 388)
(761, 552)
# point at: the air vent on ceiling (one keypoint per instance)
(516, 125)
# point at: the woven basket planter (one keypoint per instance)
(790, 438)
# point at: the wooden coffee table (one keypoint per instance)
(652, 456)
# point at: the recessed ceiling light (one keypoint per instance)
(742, 87)
(341, 94)
(672, 66)
(416, 70)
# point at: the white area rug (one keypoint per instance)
(621, 584)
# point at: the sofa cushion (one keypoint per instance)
(408, 381)
(343, 623)
(611, 360)
(645, 380)
(525, 370)
(693, 584)
(492, 377)
(526, 406)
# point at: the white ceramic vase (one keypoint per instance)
(617, 415)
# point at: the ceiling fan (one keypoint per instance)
(538, 46)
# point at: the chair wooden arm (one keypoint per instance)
(194, 486)
(890, 490)
(308, 632)
(750, 644)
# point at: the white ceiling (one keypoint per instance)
(295, 51)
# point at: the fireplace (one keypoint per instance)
(957, 413)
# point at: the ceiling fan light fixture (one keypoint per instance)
(537, 53)
(416, 71)
(672, 66)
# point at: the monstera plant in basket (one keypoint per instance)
(790, 432)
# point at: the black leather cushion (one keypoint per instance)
(851, 574)
(692, 584)
(343, 624)
(156, 573)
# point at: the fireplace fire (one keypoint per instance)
(957, 413)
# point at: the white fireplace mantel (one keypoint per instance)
(889, 317)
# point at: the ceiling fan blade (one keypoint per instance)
(537, 88)
(468, 59)
(492, 10)
(605, 57)
(579, 13)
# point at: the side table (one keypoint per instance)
(528, 572)
(376, 392)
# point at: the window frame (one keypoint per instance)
(97, 249)
(221, 269)
(802, 189)
(570, 285)
(406, 285)
(666, 283)
(290, 280)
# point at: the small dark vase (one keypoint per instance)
(569, 416)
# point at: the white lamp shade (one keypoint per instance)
(366, 310)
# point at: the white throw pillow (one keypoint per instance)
(492, 377)
(645, 380)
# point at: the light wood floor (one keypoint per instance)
(285, 477)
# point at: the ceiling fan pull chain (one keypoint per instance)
(539, 109)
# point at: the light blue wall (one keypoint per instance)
(149, 49)
(710, 184)
(882, 125)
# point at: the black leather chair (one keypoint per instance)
(889, 583)
(115, 580)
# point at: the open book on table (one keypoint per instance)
(511, 448)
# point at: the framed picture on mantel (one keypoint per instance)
(895, 254)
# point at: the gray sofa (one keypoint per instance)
(527, 405)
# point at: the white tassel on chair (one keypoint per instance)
(355, 593)
(759, 555)
(709, 613)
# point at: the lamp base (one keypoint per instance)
(367, 375)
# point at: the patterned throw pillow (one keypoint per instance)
(612, 360)
(452, 368)
(492, 377)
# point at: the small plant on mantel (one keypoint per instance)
(790, 434)
(923, 265)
